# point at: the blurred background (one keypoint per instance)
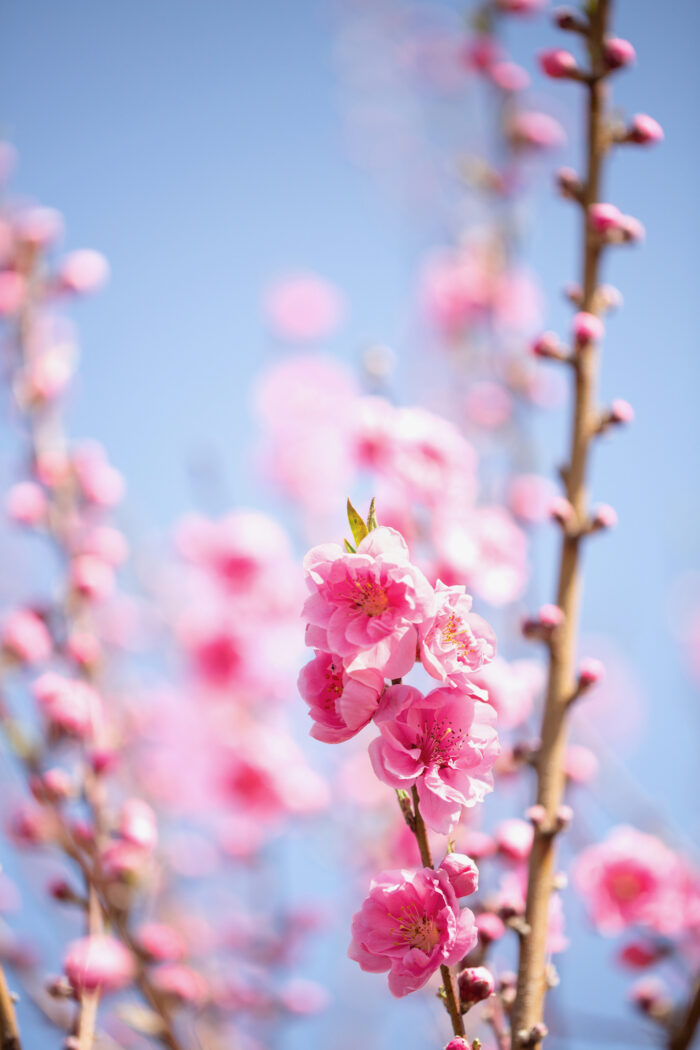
(212, 150)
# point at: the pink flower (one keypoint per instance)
(630, 879)
(82, 272)
(339, 705)
(98, 962)
(25, 637)
(529, 496)
(69, 706)
(535, 131)
(485, 550)
(557, 63)
(462, 873)
(304, 307)
(137, 824)
(180, 982)
(456, 642)
(160, 942)
(444, 743)
(99, 482)
(26, 503)
(410, 924)
(511, 688)
(366, 606)
(303, 997)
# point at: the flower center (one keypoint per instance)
(370, 597)
(441, 742)
(418, 930)
(625, 885)
(456, 633)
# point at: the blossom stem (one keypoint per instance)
(531, 987)
(9, 1031)
(448, 981)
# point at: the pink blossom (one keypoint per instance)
(339, 705)
(444, 743)
(514, 838)
(91, 577)
(304, 307)
(462, 873)
(488, 404)
(239, 550)
(410, 924)
(486, 550)
(475, 983)
(558, 63)
(98, 962)
(137, 824)
(366, 606)
(535, 131)
(26, 503)
(39, 226)
(456, 642)
(630, 879)
(618, 53)
(25, 637)
(99, 482)
(82, 272)
(180, 982)
(303, 997)
(644, 130)
(68, 705)
(160, 942)
(511, 688)
(12, 292)
(529, 496)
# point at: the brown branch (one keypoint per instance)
(682, 1033)
(9, 1031)
(531, 988)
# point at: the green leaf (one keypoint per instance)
(357, 525)
(349, 547)
(371, 517)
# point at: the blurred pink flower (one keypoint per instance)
(304, 307)
(98, 962)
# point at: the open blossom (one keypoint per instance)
(457, 642)
(339, 705)
(444, 743)
(366, 607)
(486, 549)
(411, 924)
(632, 879)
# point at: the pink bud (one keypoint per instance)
(83, 649)
(560, 510)
(574, 293)
(520, 7)
(26, 503)
(509, 76)
(69, 706)
(55, 785)
(604, 517)
(92, 577)
(538, 131)
(648, 994)
(490, 927)
(639, 954)
(565, 815)
(558, 63)
(481, 53)
(514, 838)
(104, 761)
(462, 873)
(632, 229)
(605, 217)
(591, 671)
(137, 824)
(98, 962)
(477, 843)
(565, 18)
(303, 997)
(459, 1043)
(82, 272)
(160, 943)
(547, 345)
(587, 328)
(475, 984)
(569, 183)
(618, 53)
(609, 296)
(621, 411)
(61, 890)
(537, 815)
(550, 615)
(180, 982)
(12, 290)
(644, 130)
(580, 764)
(25, 637)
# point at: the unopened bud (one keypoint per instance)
(621, 411)
(548, 345)
(569, 184)
(605, 217)
(558, 63)
(644, 130)
(618, 53)
(475, 984)
(565, 815)
(566, 18)
(590, 672)
(537, 815)
(560, 510)
(604, 517)
(587, 328)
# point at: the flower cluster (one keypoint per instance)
(371, 615)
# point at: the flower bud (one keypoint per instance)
(644, 130)
(605, 217)
(509, 76)
(587, 328)
(83, 272)
(608, 297)
(566, 18)
(25, 638)
(459, 1043)
(632, 229)
(54, 785)
(618, 53)
(558, 63)
(604, 517)
(565, 815)
(621, 411)
(560, 510)
(591, 671)
(533, 130)
(490, 927)
(462, 873)
(98, 962)
(137, 824)
(639, 954)
(160, 943)
(537, 815)
(475, 984)
(548, 345)
(514, 838)
(26, 503)
(569, 183)
(91, 577)
(650, 996)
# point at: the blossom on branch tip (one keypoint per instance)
(618, 53)
(558, 63)
(587, 327)
(339, 705)
(410, 924)
(644, 130)
(474, 983)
